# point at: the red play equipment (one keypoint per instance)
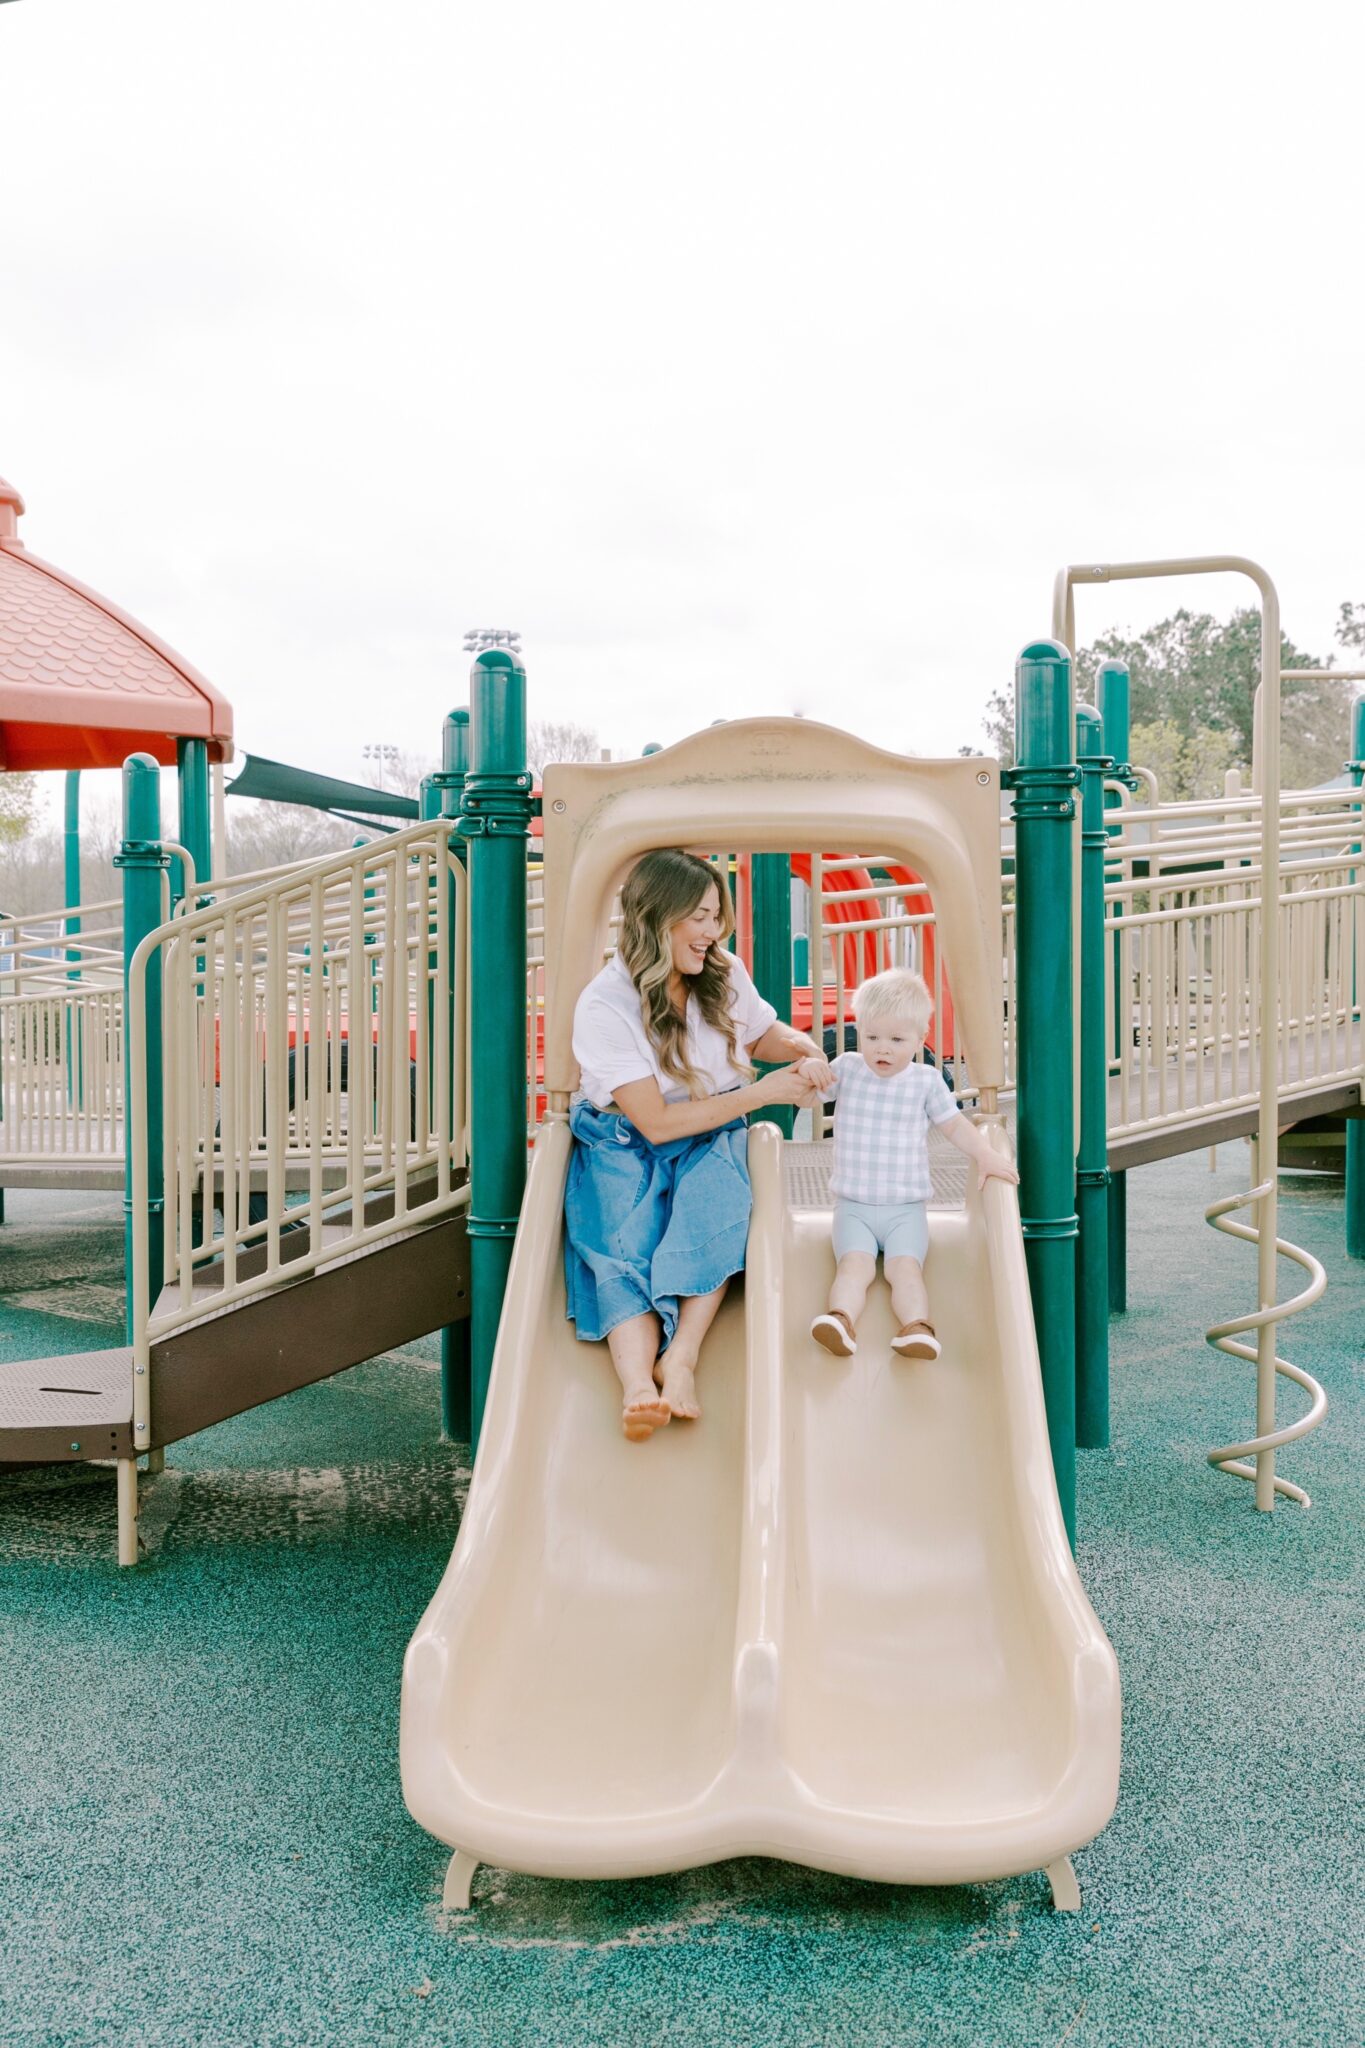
(866, 952)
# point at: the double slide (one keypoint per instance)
(836, 1621)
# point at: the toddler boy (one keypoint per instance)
(880, 1182)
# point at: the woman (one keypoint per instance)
(657, 1204)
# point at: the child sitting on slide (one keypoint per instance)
(880, 1180)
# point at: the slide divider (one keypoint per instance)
(758, 1618)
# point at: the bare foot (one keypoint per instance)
(645, 1411)
(678, 1387)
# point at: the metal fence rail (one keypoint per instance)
(315, 1054)
(61, 1024)
(1182, 897)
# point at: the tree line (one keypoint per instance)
(1192, 696)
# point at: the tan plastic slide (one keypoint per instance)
(835, 1621)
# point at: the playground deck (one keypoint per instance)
(204, 1838)
(1205, 1098)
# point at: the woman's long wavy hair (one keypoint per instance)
(661, 890)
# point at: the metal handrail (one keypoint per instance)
(261, 1076)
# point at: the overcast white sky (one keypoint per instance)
(747, 357)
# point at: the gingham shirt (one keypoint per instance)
(881, 1133)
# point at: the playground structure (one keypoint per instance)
(788, 1695)
(318, 1163)
(295, 1207)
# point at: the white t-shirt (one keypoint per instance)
(881, 1132)
(612, 1046)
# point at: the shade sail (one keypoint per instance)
(275, 782)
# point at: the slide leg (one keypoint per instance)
(156, 1461)
(127, 1511)
(1066, 1893)
(459, 1877)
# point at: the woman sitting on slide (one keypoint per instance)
(657, 1204)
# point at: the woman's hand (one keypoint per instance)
(786, 1084)
(817, 1070)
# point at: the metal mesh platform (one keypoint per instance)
(94, 1388)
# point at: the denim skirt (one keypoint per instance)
(646, 1224)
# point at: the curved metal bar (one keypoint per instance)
(1223, 1337)
(1265, 763)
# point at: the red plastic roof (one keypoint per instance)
(82, 685)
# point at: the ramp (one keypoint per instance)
(837, 1621)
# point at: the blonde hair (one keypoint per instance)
(660, 891)
(897, 993)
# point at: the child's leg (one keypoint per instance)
(674, 1371)
(855, 1274)
(855, 1249)
(634, 1346)
(909, 1295)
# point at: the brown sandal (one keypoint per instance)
(835, 1331)
(916, 1340)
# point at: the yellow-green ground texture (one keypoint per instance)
(203, 1840)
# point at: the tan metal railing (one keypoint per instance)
(61, 1036)
(314, 1058)
(1184, 1021)
(1185, 938)
(61, 1022)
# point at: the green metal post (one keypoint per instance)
(1118, 1242)
(142, 860)
(74, 1021)
(1113, 704)
(196, 836)
(448, 791)
(1112, 701)
(1092, 1154)
(1044, 810)
(192, 774)
(71, 854)
(1355, 1129)
(772, 920)
(495, 819)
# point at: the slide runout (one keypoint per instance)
(946, 1686)
(837, 1621)
(575, 1668)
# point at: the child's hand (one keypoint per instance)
(786, 1085)
(994, 1165)
(818, 1072)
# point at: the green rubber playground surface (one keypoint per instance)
(202, 1837)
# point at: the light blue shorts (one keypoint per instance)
(901, 1231)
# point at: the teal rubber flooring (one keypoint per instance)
(202, 1837)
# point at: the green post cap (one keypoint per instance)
(1089, 732)
(1043, 704)
(1112, 703)
(455, 742)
